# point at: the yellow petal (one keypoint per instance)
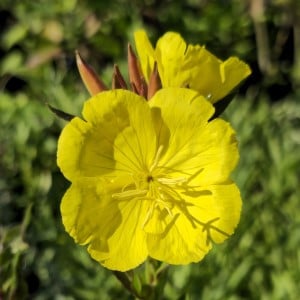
(169, 53)
(210, 76)
(145, 52)
(149, 178)
(183, 111)
(191, 66)
(112, 229)
(217, 210)
(202, 70)
(193, 147)
(157, 220)
(218, 154)
(127, 245)
(210, 217)
(233, 71)
(180, 243)
(84, 210)
(135, 146)
(70, 144)
(99, 145)
(181, 116)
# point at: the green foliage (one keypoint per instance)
(38, 260)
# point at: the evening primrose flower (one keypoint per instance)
(192, 66)
(148, 179)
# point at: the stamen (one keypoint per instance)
(148, 215)
(172, 181)
(129, 194)
(151, 209)
(169, 211)
(166, 207)
(125, 187)
(156, 159)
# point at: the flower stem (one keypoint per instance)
(123, 278)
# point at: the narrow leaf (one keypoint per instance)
(61, 114)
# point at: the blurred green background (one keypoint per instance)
(38, 260)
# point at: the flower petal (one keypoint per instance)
(218, 207)
(169, 52)
(218, 154)
(233, 71)
(147, 175)
(70, 144)
(183, 111)
(180, 243)
(206, 151)
(99, 146)
(210, 217)
(84, 210)
(118, 113)
(190, 66)
(145, 52)
(113, 229)
(127, 246)
(209, 75)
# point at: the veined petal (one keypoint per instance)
(70, 145)
(203, 70)
(206, 217)
(145, 52)
(92, 148)
(182, 65)
(84, 210)
(217, 210)
(147, 177)
(158, 219)
(217, 154)
(169, 53)
(135, 146)
(233, 71)
(180, 243)
(194, 148)
(209, 75)
(182, 111)
(181, 116)
(127, 246)
(113, 229)
(115, 114)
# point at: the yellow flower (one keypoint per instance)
(182, 65)
(149, 179)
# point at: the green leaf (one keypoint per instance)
(61, 114)
(11, 63)
(136, 283)
(14, 35)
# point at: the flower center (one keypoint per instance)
(155, 185)
(149, 178)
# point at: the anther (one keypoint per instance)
(129, 194)
(156, 159)
(172, 181)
